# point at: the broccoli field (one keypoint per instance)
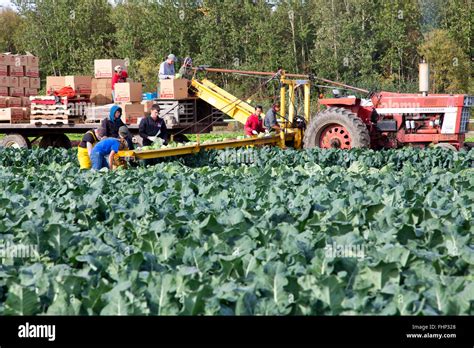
(241, 232)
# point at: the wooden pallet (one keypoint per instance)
(49, 106)
(59, 112)
(43, 121)
(48, 117)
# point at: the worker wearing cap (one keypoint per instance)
(86, 145)
(254, 124)
(153, 127)
(186, 70)
(102, 155)
(113, 123)
(167, 68)
(270, 121)
(119, 76)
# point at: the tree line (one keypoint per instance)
(373, 44)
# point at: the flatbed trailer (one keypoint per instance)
(187, 116)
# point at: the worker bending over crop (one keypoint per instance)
(84, 148)
(270, 122)
(153, 127)
(167, 68)
(102, 155)
(119, 76)
(186, 70)
(114, 123)
(254, 124)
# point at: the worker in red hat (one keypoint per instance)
(119, 76)
(254, 124)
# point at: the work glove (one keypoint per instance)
(254, 132)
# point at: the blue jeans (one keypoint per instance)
(99, 161)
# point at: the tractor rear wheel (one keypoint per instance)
(336, 128)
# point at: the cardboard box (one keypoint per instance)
(11, 114)
(131, 112)
(3, 70)
(19, 60)
(3, 102)
(101, 99)
(35, 82)
(14, 81)
(173, 89)
(147, 104)
(13, 102)
(104, 68)
(32, 71)
(4, 91)
(101, 91)
(32, 61)
(16, 92)
(101, 83)
(31, 92)
(127, 92)
(26, 112)
(24, 82)
(4, 81)
(54, 83)
(17, 71)
(25, 101)
(5, 59)
(81, 84)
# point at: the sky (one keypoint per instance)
(5, 3)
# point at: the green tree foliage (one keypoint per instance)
(448, 63)
(67, 35)
(9, 21)
(371, 44)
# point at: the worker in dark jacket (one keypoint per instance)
(113, 124)
(153, 127)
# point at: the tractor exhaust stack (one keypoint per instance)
(424, 78)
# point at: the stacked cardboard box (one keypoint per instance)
(173, 89)
(19, 78)
(82, 85)
(101, 93)
(129, 96)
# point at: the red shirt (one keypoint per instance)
(119, 78)
(254, 123)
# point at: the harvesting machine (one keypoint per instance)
(380, 120)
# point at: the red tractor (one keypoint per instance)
(391, 120)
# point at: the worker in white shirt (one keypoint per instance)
(167, 68)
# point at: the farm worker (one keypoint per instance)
(84, 148)
(113, 124)
(167, 68)
(153, 127)
(186, 70)
(270, 122)
(119, 76)
(254, 124)
(102, 155)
